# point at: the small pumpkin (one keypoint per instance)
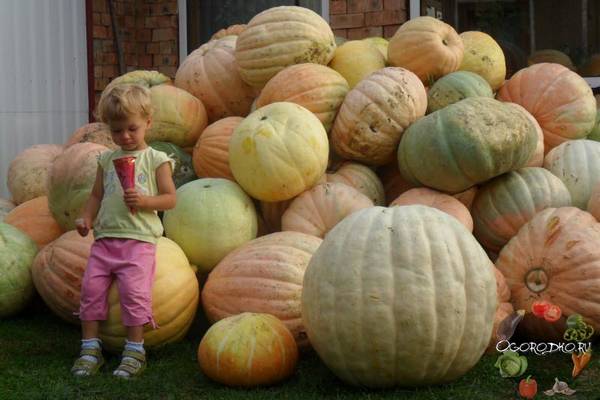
(454, 87)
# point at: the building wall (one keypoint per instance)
(357, 19)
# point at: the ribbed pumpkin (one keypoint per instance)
(5, 207)
(454, 87)
(504, 309)
(263, 276)
(95, 132)
(278, 151)
(555, 257)
(465, 144)
(319, 89)
(210, 73)
(211, 152)
(232, 30)
(175, 296)
(355, 60)
(537, 158)
(439, 200)
(35, 219)
(506, 203)
(279, 37)
(28, 172)
(361, 178)
(577, 164)
(484, 56)
(57, 272)
(559, 99)
(140, 77)
(380, 44)
(213, 216)
(551, 56)
(409, 301)
(426, 46)
(70, 182)
(17, 252)
(316, 211)
(375, 114)
(249, 349)
(593, 206)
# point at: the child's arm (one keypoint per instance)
(85, 222)
(165, 199)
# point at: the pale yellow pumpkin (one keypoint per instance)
(278, 151)
(375, 114)
(357, 59)
(484, 56)
(426, 46)
(279, 37)
(380, 43)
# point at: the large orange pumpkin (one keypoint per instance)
(426, 46)
(375, 114)
(559, 99)
(210, 73)
(265, 276)
(318, 88)
(35, 219)
(555, 257)
(210, 156)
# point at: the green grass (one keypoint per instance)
(37, 351)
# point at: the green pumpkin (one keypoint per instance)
(465, 144)
(595, 133)
(17, 251)
(455, 87)
(184, 170)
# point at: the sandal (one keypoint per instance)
(85, 367)
(133, 364)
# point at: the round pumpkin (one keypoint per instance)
(319, 89)
(380, 44)
(184, 170)
(175, 296)
(95, 132)
(361, 178)
(375, 114)
(537, 158)
(70, 182)
(141, 77)
(559, 99)
(210, 73)
(483, 56)
(555, 257)
(17, 252)
(506, 203)
(454, 87)
(409, 301)
(465, 144)
(232, 30)
(263, 276)
(248, 349)
(426, 46)
(5, 207)
(57, 272)
(551, 56)
(28, 172)
(355, 60)
(316, 211)
(577, 164)
(278, 151)
(439, 200)
(279, 37)
(213, 216)
(211, 152)
(35, 219)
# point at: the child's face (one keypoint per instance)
(129, 133)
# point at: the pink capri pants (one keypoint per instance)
(132, 263)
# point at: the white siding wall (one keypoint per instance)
(43, 75)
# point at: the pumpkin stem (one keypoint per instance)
(536, 280)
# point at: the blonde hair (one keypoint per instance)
(123, 101)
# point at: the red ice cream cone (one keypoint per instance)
(125, 168)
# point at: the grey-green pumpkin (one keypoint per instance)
(455, 87)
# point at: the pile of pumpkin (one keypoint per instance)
(350, 197)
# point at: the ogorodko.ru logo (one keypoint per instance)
(541, 349)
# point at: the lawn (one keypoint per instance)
(37, 350)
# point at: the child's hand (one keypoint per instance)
(134, 199)
(83, 226)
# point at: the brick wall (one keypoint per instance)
(148, 31)
(357, 19)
